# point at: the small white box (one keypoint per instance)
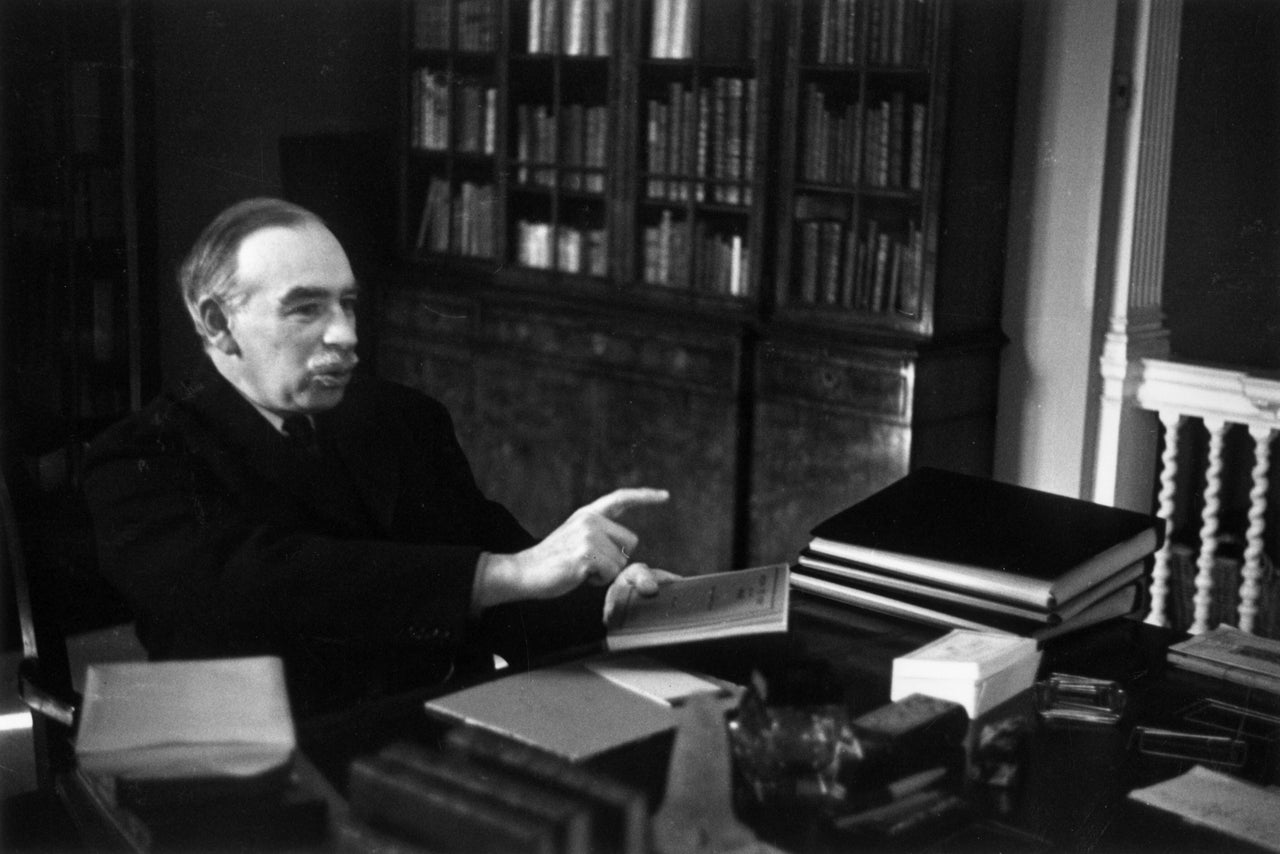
(978, 670)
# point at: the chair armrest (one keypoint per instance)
(42, 699)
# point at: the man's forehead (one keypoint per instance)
(288, 258)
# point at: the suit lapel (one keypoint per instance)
(246, 442)
(367, 449)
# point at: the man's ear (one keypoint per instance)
(217, 328)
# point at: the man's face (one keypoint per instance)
(294, 319)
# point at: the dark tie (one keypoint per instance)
(301, 433)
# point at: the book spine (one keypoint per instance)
(809, 240)
(675, 141)
(1225, 672)
(660, 30)
(620, 813)
(551, 26)
(353, 836)
(577, 28)
(390, 797)
(888, 584)
(602, 27)
(879, 603)
(849, 266)
(490, 120)
(894, 174)
(703, 141)
(535, 25)
(750, 117)
(919, 119)
(571, 817)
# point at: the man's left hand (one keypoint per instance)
(641, 577)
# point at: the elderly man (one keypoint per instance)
(280, 503)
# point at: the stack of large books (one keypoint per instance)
(960, 551)
(487, 793)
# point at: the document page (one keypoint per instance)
(701, 607)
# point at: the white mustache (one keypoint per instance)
(336, 365)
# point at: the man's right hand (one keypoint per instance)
(590, 546)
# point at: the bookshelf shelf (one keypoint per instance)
(814, 185)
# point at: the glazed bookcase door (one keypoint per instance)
(453, 199)
(699, 96)
(861, 170)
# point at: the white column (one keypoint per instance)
(1126, 437)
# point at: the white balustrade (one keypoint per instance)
(1220, 399)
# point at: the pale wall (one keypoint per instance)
(1060, 148)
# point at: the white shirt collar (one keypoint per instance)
(275, 420)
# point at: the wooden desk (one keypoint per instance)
(1073, 793)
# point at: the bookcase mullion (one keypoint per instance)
(505, 13)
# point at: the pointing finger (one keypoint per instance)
(619, 501)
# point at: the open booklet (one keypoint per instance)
(704, 607)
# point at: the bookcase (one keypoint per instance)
(73, 308)
(859, 181)
(749, 250)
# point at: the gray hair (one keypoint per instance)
(209, 269)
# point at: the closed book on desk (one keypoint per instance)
(620, 813)
(296, 817)
(199, 728)
(393, 798)
(568, 709)
(1228, 653)
(870, 578)
(570, 816)
(983, 536)
(1123, 602)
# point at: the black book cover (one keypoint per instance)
(293, 817)
(392, 797)
(981, 535)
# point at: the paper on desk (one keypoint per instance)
(652, 679)
(1225, 803)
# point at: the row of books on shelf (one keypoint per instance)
(433, 20)
(708, 132)
(483, 792)
(580, 133)
(960, 551)
(471, 111)
(873, 32)
(881, 145)
(714, 30)
(681, 254)
(877, 271)
(544, 246)
(570, 27)
(461, 222)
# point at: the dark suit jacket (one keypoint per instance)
(356, 567)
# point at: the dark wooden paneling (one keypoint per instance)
(555, 410)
